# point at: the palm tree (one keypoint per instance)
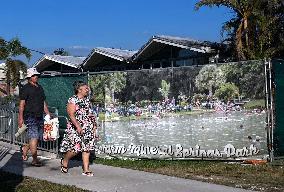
(270, 29)
(243, 10)
(8, 51)
(257, 24)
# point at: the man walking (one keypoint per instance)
(31, 108)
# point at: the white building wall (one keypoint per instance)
(2, 74)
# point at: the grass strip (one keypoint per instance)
(267, 178)
(10, 182)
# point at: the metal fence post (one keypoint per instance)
(271, 108)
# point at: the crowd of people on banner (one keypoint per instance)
(161, 108)
(136, 109)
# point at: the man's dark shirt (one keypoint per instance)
(34, 99)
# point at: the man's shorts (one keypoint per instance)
(35, 127)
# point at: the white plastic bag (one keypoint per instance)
(51, 129)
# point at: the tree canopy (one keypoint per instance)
(256, 30)
(60, 51)
(209, 78)
(105, 86)
(227, 91)
(13, 48)
(165, 89)
(8, 51)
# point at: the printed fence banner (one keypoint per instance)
(211, 111)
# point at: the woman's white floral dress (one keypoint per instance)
(72, 141)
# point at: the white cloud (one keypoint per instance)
(78, 47)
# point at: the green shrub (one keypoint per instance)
(255, 104)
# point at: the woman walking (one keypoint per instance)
(80, 133)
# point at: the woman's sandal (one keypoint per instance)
(63, 168)
(88, 173)
(24, 156)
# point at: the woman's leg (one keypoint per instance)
(85, 158)
(67, 156)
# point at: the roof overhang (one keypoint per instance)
(157, 41)
(102, 56)
(49, 60)
(109, 54)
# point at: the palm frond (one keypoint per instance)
(15, 48)
(212, 3)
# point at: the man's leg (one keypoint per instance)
(33, 147)
(24, 150)
(33, 133)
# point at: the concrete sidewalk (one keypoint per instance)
(106, 179)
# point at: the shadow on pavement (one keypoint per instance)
(11, 169)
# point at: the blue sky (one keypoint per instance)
(83, 24)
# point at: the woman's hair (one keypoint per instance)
(77, 85)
